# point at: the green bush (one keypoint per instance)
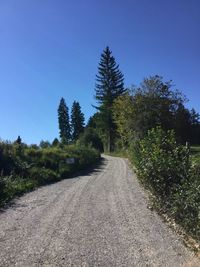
(43, 175)
(185, 203)
(91, 139)
(64, 171)
(165, 168)
(2, 187)
(25, 167)
(15, 185)
(161, 163)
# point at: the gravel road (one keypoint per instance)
(96, 219)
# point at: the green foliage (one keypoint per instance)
(13, 185)
(55, 142)
(165, 169)
(185, 203)
(161, 163)
(44, 144)
(86, 156)
(91, 138)
(43, 175)
(110, 80)
(109, 85)
(35, 166)
(123, 111)
(97, 125)
(2, 188)
(154, 104)
(77, 121)
(194, 127)
(19, 140)
(195, 154)
(63, 121)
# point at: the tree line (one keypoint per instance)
(70, 130)
(124, 114)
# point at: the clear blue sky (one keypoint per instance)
(51, 48)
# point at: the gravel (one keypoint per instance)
(96, 219)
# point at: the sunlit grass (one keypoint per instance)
(195, 154)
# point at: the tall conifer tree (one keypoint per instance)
(109, 85)
(77, 120)
(63, 121)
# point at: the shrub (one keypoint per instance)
(15, 185)
(162, 164)
(91, 139)
(2, 187)
(24, 167)
(65, 170)
(185, 204)
(165, 168)
(43, 175)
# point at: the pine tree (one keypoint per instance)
(63, 120)
(55, 142)
(18, 140)
(19, 145)
(77, 121)
(109, 85)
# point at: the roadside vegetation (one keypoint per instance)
(168, 171)
(24, 168)
(161, 136)
(195, 154)
(150, 123)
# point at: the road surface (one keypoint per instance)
(96, 219)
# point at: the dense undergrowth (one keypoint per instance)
(168, 171)
(23, 168)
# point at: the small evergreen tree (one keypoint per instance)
(77, 120)
(63, 121)
(109, 85)
(55, 142)
(19, 140)
(18, 146)
(44, 144)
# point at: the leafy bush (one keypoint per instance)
(24, 167)
(15, 185)
(161, 163)
(91, 138)
(2, 187)
(185, 203)
(165, 168)
(43, 175)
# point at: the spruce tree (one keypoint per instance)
(18, 140)
(63, 121)
(109, 85)
(77, 120)
(55, 142)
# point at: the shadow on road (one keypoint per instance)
(95, 168)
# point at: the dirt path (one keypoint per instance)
(100, 219)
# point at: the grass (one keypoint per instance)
(195, 154)
(121, 154)
(34, 167)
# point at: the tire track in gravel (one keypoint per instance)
(99, 219)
